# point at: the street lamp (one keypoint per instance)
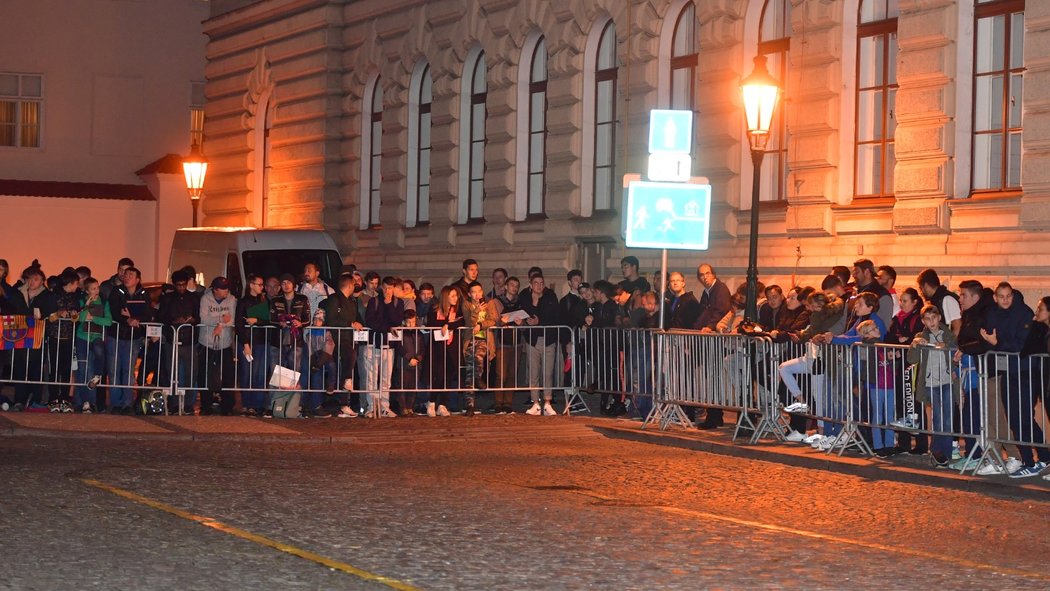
(760, 92)
(195, 166)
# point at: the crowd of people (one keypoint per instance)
(444, 346)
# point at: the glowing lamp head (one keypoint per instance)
(195, 168)
(760, 92)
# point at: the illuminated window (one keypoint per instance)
(876, 98)
(475, 121)
(419, 123)
(537, 128)
(774, 41)
(371, 156)
(605, 120)
(684, 56)
(21, 103)
(998, 85)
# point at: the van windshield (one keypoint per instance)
(274, 263)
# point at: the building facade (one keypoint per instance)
(418, 133)
(94, 97)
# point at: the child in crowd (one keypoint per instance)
(94, 318)
(879, 376)
(412, 352)
(931, 351)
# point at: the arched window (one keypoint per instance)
(998, 72)
(774, 42)
(537, 128)
(605, 120)
(684, 56)
(472, 138)
(420, 99)
(874, 158)
(371, 155)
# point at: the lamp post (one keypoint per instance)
(760, 92)
(195, 166)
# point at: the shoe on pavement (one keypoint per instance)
(534, 410)
(347, 413)
(826, 443)
(797, 407)
(86, 408)
(443, 412)
(963, 464)
(548, 410)
(884, 452)
(795, 437)
(812, 439)
(906, 423)
(389, 414)
(1028, 471)
(431, 410)
(992, 469)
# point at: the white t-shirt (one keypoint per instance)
(951, 310)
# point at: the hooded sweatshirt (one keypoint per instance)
(212, 311)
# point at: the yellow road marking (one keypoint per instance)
(831, 538)
(247, 535)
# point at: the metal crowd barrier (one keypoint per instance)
(620, 364)
(705, 370)
(1017, 385)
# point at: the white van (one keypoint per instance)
(235, 253)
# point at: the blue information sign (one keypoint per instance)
(670, 132)
(668, 215)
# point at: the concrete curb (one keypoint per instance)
(864, 468)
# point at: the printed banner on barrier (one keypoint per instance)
(21, 332)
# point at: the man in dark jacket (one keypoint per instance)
(714, 304)
(975, 302)
(714, 301)
(255, 357)
(130, 306)
(681, 308)
(291, 312)
(341, 310)
(179, 311)
(383, 313)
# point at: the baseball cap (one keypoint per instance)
(220, 283)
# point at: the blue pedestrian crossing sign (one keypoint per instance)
(670, 132)
(668, 215)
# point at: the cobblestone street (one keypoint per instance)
(566, 509)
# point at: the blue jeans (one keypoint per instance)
(941, 400)
(127, 352)
(883, 403)
(255, 374)
(91, 361)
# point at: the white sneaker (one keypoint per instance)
(6, 407)
(548, 410)
(826, 443)
(534, 410)
(797, 407)
(347, 413)
(992, 469)
(812, 439)
(795, 437)
(430, 410)
(443, 412)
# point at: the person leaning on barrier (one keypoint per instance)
(906, 325)
(91, 352)
(1031, 387)
(542, 343)
(734, 318)
(383, 313)
(975, 301)
(130, 306)
(443, 357)
(180, 313)
(931, 350)
(291, 312)
(714, 300)
(793, 317)
(411, 352)
(341, 312)
(770, 310)
(255, 358)
(218, 307)
(1007, 326)
(864, 272)
(681, 307)
(480, 346)
(60, 345)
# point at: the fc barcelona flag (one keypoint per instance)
(21, 332)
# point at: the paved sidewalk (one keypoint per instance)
(908, 469)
